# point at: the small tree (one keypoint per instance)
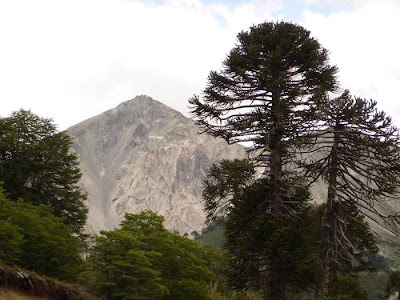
(393, 286)
(31, 237)
(36, 164)
(143, 260)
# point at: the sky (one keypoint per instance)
(70, 60)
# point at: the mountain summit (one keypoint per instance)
(144, 155)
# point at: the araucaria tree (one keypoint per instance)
(36, 164)
(356, 152)
(266, 94)
(263, 248)
(270, 86)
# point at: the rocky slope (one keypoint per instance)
(144, 155)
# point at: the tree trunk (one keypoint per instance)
(274, 287)
(276, 148)
(277, 288)
(329, 222)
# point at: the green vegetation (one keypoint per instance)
(374, 283)
(267, 240)
(36, 165)
(212, 236)
(273, 92)
(393, 286)
(361, 167)
(215, 293)
(267, 93)
(143, 259)
(391, 250)
(33, 238)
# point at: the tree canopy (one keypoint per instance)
(143, 259)
(31, 237)
(273, 93)
(268, 92)
(356, 152)
(270, 84)
(36, 164)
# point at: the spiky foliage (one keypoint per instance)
(356, 152)
(269, 252)
(225, 181)
(266, 93)
(272, 253)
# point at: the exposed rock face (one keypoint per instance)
(144, 155)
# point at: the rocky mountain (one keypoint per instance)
(144, 155)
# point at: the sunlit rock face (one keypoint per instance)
(144, 155)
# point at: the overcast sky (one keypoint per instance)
(72, 59)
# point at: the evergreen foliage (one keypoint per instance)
(272, 92)
(143, 259)
(267, 93)
(265, 249)
(255, 238)
(346, 288)
(269, 249)
(356, 152)
(36, 164)
(393, 286)
(225, 181)
(31, 237)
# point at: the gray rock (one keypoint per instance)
(144, 155)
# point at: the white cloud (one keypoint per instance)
(73, 59)
(365, 44)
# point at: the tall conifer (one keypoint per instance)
(356, 152)
(270, 86)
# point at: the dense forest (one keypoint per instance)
(277, 93)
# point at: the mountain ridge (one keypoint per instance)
(144, 155)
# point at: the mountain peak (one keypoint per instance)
(144, 155)
(141, 107)
(139, 100)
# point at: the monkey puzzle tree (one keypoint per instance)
(267, 92)
(271, 84)
(357, 155)
(263, 247)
